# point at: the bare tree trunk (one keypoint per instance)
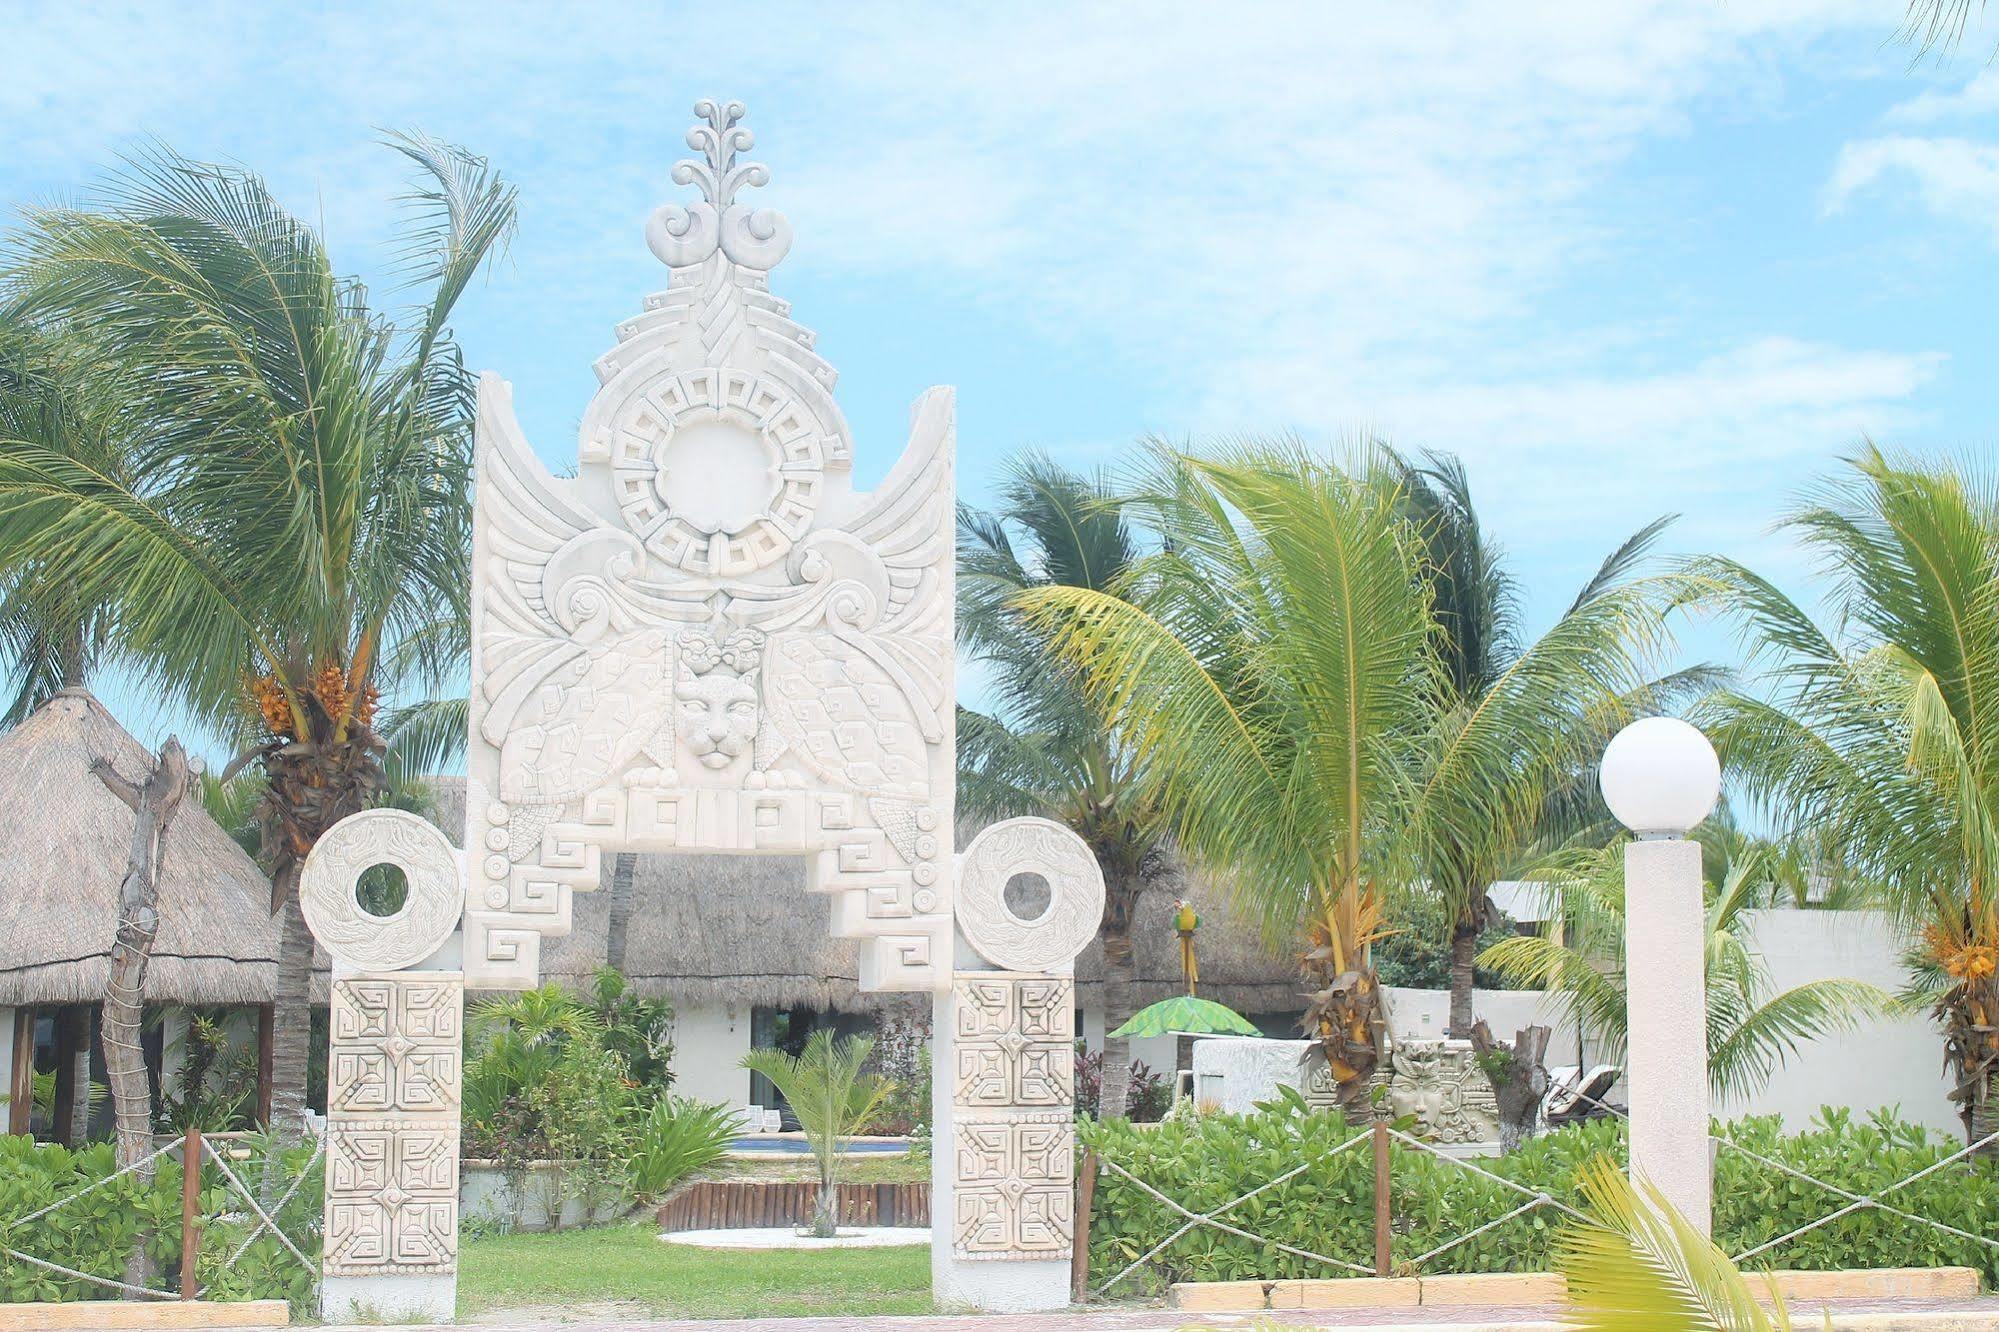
(154, 802)
(1519, 1075)
(622, 870)
(291, 1017)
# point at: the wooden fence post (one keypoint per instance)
(1079, 1260)
(190, 1199)
(1383, 1262)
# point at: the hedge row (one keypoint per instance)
(1204, 1162)
(98, 1232)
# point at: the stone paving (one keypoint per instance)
(1874, 1315)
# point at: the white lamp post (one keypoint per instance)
(1660, 778)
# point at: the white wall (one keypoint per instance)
(708, 1047)
(6, 1060)
(1886, 1062)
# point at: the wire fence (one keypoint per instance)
(190, 1146)
(1854, 1202)
(1227, 1218)
(1380, 1136)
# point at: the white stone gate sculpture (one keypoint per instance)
(709, 641)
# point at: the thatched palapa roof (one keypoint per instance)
(63, 844)
(712, 931)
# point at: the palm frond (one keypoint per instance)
(1639, 1266)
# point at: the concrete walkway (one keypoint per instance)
(1980, 1315)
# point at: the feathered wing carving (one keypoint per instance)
(877, 581)
(574, 664)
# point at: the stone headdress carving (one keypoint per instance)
(712, 557)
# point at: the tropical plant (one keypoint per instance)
(1566, 692)
(211, 1083)
(292, 534)
(832, 1097)
(677, 1137)
(542, 1090)
(1750, 1031)
(51, 639)
(1280, 674)
(902, 1057)
(1637, 1265)
(1045, 748)
(1882, 733)
(1274, 674)
(638, 1029)
(1149, 1099)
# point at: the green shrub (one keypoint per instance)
(1204, 1162)
(678, 1137)
(95, 1232)
(1754, 1203)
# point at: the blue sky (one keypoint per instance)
(1626, 259)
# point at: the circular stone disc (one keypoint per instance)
(1075, 895)
(429, 913)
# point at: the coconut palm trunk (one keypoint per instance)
(1121, 893)
(312, 785)
(153, 801)
(1464, 963)
(618, 927)
(1971, 1045)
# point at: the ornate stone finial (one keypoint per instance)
(683, 236)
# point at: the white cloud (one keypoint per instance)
(1954, 178)
(1322, 217)
(1978, 97)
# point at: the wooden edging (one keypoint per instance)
(1532, 1289)
(143, 1315)
(731, 1204)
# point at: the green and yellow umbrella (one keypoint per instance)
(1186, 1015)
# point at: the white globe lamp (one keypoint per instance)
(1660, 777)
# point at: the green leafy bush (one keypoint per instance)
(1754, 1203)
(678, 1137)
(1204, 1162)
(97, 1231)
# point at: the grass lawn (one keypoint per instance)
(631, 1264)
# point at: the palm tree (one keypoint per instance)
(1750, 1031)
(293, 534)
(1275, 676)
(1281, 678)
(1882, 733)
(1478, 640)
(50, 400)
(832, 1098)
(1044, 749)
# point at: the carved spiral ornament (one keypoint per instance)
(429, 913)
(1075, 895)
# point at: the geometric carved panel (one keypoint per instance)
(1013, 1136)
(1014, 1186)
(391, 1196)
(396, 1043)
(392, 1123)
(1014, 1041)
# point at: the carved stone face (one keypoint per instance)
(716, 695)
(718, 716)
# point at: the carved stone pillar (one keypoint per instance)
(395, 1049)
(1008, 1197)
